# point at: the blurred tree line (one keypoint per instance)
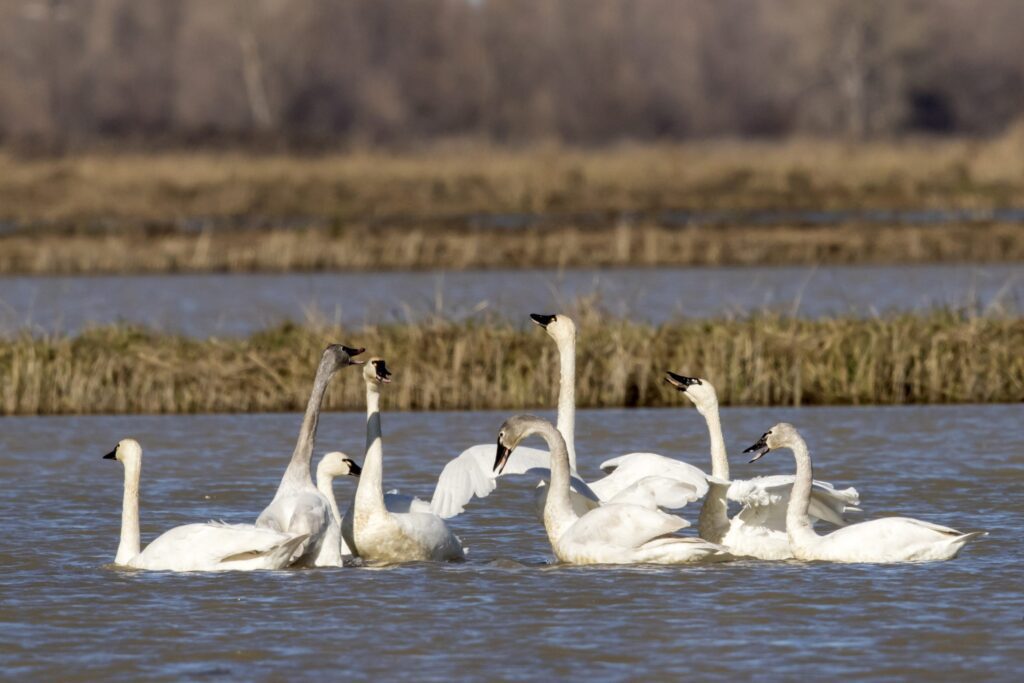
(308, 72)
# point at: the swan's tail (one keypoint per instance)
(961, 540)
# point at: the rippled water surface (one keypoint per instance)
(204, 305)
(506, 613)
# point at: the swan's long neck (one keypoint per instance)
(567, 396)
(325, 485)
(798, 524)
(130, 543)
(370, 491)
(558, 511)
(298, 473)
(713, 521)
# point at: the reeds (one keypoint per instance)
(444, 207)
(939, 357)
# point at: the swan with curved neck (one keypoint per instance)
(379, 535)
(211, 546)
(298, 507)
(634, 476)
(613, 533)
(885, 540)
(759, 528)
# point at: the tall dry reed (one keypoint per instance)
(939, 357)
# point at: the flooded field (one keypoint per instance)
(203, 305)
(507, 612)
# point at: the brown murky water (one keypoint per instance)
(507, 613)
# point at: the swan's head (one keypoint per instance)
(376, 372)
(339, 356)
(696, 389)
(512, 431)
(781, 435)
(127, 451)
(559, 327)
(337, 464)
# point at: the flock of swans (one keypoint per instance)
(625, 517)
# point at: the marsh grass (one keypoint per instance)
(943, 356)
(198, 211)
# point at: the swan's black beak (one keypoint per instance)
(680, 382)
(112, 455)
(542, 319)
(354, 470)
(501, 457)
(352, 352)
(383, 374)
(760, 448)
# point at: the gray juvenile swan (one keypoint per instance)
(886, 540)
(298, 507)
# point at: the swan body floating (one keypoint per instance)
(379, 535)
(613, 533)
(885, 540)
(213, 546)
(759, 528)
(298, 507)
(471, 474)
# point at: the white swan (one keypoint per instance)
(212, 546)
(886, 540)
(337, 464)
(470, 474)
(334, 464)
(613, 533)
(379, 535)
(759, 528)
(298, 507)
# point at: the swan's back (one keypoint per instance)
(215, 546)
(891, 539)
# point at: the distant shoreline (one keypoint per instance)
(938, 357)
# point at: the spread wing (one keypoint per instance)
(764, 501)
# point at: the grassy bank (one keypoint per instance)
(442, 207)
(941, 357)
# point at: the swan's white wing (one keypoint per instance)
(623, 526)
(764, 501)
(471, 474)
(217, 546)
(627, 470)
(430, 532)
(657, 492)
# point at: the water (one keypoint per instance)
(204, 305)
(65, 614)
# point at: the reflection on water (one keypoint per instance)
(202, 305)
(506, 613)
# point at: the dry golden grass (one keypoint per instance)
(570, 246)
(940, 357)
(440, 181)
(120, 213)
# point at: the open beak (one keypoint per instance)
(541, 319)
(352, 353)
(680, 382)
(501, 457)
(112, 455)
(759, 449)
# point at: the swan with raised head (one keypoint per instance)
(759, 528)
(613, 533)
(334, 464)
(213, 546)
(667, 480)
(379, 535)
(885, 540)
(298, 507)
